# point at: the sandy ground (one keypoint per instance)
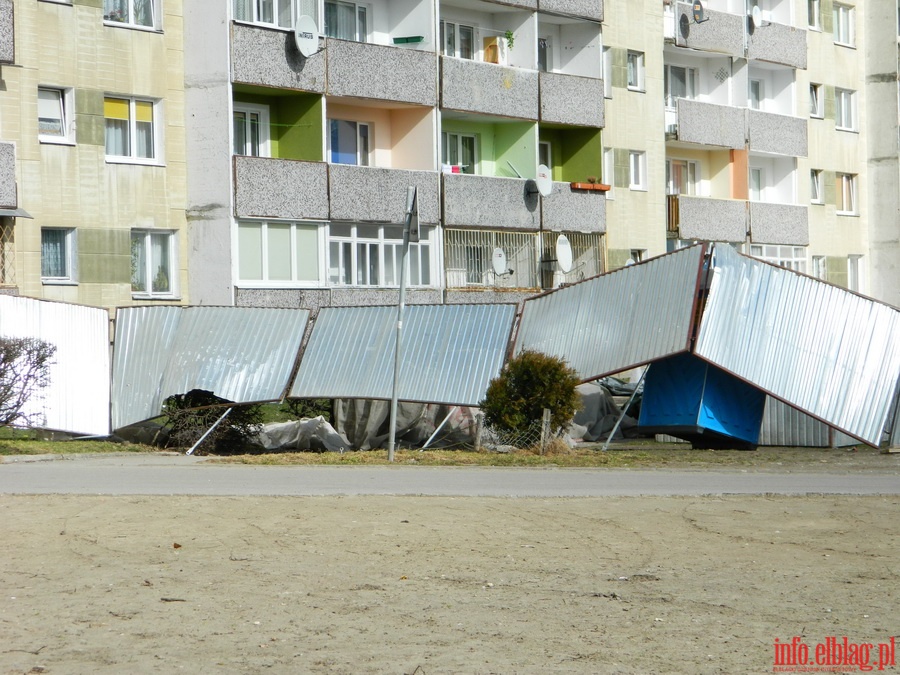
(439, 585)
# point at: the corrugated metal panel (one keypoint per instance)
(450, 354)
(619, 320)
(77, 399)
(785, 426)
(241, 354)
(831, 353)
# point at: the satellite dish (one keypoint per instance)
(306, 35)
(697, 11)
(756, 16)
(564, 253)
(629, 262)
(498, 260)
(544, 181)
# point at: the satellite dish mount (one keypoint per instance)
(698, 13)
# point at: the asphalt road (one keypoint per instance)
(183, 475)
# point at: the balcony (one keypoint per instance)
(778, 43)
(8, 198)
(573, 210)
(721, 32)
(710, 124)
(7, 34)
(707, 219)
(472, 86)
(362, 193)
(777, 134)
(268, 57)
(280, 188)
(779, 224)
(356, 69)
(489, 202)
(566, 99)
(585, 9)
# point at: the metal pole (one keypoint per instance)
(208, 432)
(624, 410)
(410, 208)
(440, 426)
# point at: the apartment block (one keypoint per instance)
(92, 164)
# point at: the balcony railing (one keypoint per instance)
(778, 134)
(472, 86)
(8, 198)
(7, 35)
(779, 223)
(269, 58)
(357, 69)
(568, 209)
(280, 188)
(711, 124)
(568, 99)
(493, 203)
(707, 218)
(363, 193)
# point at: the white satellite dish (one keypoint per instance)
(498, 260)
(756, 16)
(564, 254)
(306, 35)
(544, 181)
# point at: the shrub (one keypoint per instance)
(24, 369)
(530, 382)
(302, 408)
(191, 415)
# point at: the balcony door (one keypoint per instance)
(679, 82)
(681, 177)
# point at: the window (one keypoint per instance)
(815, 101)
(370, 255)
(819, 267)
(468, 258)
(130, 12)
(757, 184)
(637, 163)
(815, 187)
(854, 273)
(609, 171)
(635, 256)
(7, 251)
(350, 142)
(57, 255)
(756, 94)
(153, 263)
(273, 12)
(635, 62)
(130, 128)
(55, 115)
(791, 257)
(845, 109)
(545, 154)
(843, 24)
(457, 40)
(813, 12)
(544, 54)
(845, 192)
(346, 21)
(251, 130)
(607, 72)
(459, 151)
(278, 252)
(681, 177)
(679, 82)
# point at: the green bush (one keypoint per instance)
(189, 416)
(530, 382)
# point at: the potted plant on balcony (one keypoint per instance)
(591, 184)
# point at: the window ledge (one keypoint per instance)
(846, 129)
(816, 117)
(844, 44)
(812, 203)
(115, 159)
(58, 282)
(132, 26)
(848, 214)
(55, 140)
(160, 297)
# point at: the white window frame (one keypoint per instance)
(547, 65)
(637, 170)
(545, 148)
(844, 109)
(756, 94)
(690, 81)
(363, 156)
(64, 104)
(816, 196)
(846, 194)
(844, 25)
(282, 12)
(457, 137)
(760, 191)
(262, 115)
(297, 230)
(345, 251)
(609, 171)
(816, 104)
(855, 273)
(143, 238)
(476, 53)
(814, 14)
(156, 129)
(125, 14)
(789, 257)
(692, 177)
(361, 26)
(69, 257)
(820, 267)
(607, 72)
(634, 61)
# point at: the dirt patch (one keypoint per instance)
(438, 585)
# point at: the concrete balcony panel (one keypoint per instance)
(365, 193)
(8, 199)
(269, 58)
(779, 134)
(488, 202)
(280, 188)
(711, 124)
(722, 32)
(363, 70)
(7, 34)
(575, 210)
(567, 99)
(477, 87)
(712, 219)
(779, 224)
(585, 9)
(777, 43)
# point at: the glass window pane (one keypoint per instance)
(138, 262)
(50, 112)
(53, 253)
(363, 145)
(466, 42)
(278, 247)
(362, 28)
(307, 252)
(450, 39)
(143, 12)
(285, 20)
(468, 153)
(159, 263)
(265, 11)
(115, 10)
(250, 251)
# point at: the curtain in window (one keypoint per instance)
(285, 19)
(308, 8)
(138, 263)
(144, 129)
(143, 12)
(265, 11)
(340, 20)
(159, 263)
(116, 112)
(343, 142)
(242, 10)
(466, 42)
(50, 115)
(53, 254)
